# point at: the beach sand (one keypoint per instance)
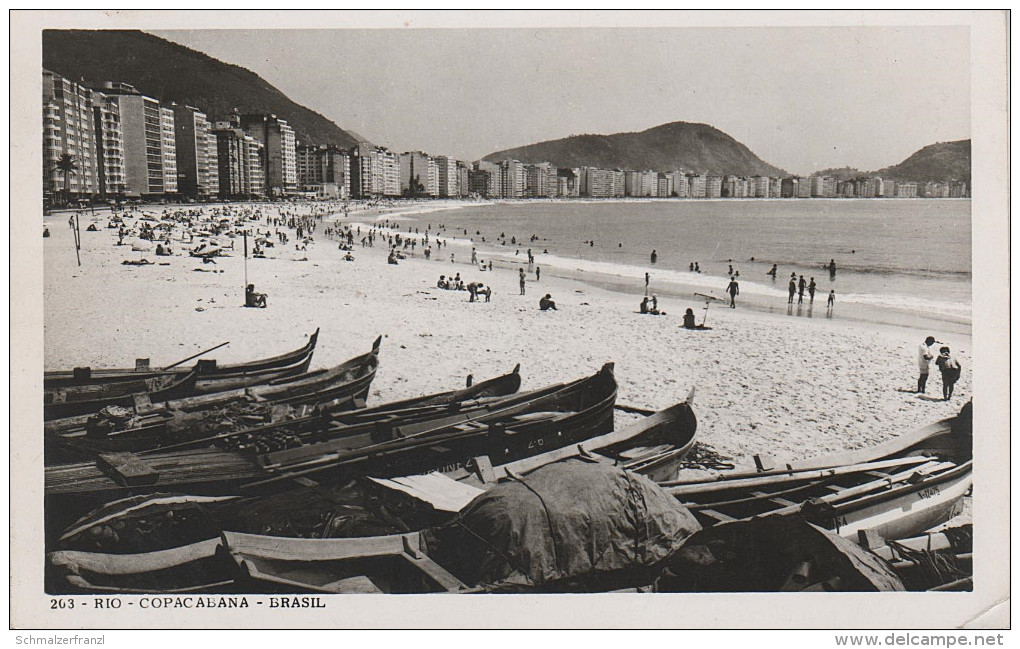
(766, 383)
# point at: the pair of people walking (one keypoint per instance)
(948, 366)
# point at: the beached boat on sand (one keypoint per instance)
(321, 399)
(208, 368)
(510, 427)
(893, 490)
(654, 446)
(142, 425)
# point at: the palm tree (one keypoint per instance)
(68, 165)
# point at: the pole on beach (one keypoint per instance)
(245, 287)
(77, 239)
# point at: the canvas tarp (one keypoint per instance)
(771, 554)
(573, 524)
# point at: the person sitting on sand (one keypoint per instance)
(442, 283)
(392, 259)
(547, 303)
(253, 299)
(46, 233)
(689, 319)
(161, 251)
(644, 305)
(348, 257)
(92, 228)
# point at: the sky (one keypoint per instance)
(801, 98)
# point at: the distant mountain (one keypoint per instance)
(675, 146)
(172, 72)
(935, 162)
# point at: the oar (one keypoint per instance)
(725, 485)
(196, 355)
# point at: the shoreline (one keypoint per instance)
(764, 384)
(680, 287)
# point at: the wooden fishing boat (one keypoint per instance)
(895, 490)
(509, 429)
(571, 526)
(208, 369)
(79, 400)
(194, 568)
(654, 446)
(323, 399)
(147, 426)
(938, 560)
(379, 564)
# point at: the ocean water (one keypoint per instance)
(907, 254)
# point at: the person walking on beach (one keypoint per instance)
(793, 288)
(734, 290)
(655, 256)
(538, 273)
(924, 357)
(800, 290)
(832, 300)
(811, 289)
(521, 277)
(474, 257)
(950, 369)
(647, 277)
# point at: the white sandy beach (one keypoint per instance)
(765, 383)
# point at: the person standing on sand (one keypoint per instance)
(521, 277)
(793, 288)
(811, 289)
(474, 257)
(734, 290)
(924, 357)
(832, 299)
(538, 273)
(647, 277)
(950, 369)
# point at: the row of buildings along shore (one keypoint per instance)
(112, 142)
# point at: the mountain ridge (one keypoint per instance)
(170, 72)
(687, 146)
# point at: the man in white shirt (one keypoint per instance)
(924, 357)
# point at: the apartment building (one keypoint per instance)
(68, 129)
(512, 179)
(197, 164)
(713, 186)
(446, 176)
(109, 145)
(279, 147)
